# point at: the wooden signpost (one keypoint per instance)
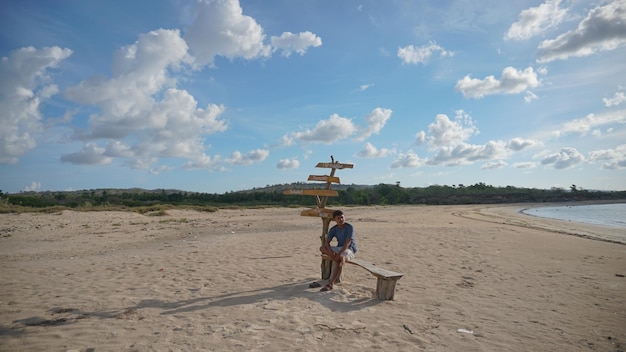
(386, 279)
(321, 197)
(312, 192)
(323, 178)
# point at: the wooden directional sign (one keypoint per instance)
(324, 178)
(335, 165)
(312, 192)
(318, 212)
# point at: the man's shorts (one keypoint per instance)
(348, 253)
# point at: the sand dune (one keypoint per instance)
(477, 278)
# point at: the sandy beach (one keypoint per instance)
(476, 278)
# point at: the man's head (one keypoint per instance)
(338, 217)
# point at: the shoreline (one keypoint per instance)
(573, 219)
(513, 214)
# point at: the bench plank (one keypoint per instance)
(376, 270)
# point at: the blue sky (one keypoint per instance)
(224, 95)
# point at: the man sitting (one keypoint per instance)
(345, 248)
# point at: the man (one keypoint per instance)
(345, 248)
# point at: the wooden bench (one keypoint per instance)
(386, 279)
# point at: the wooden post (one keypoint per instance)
(325, 199)
(386, 288)
(327, 264)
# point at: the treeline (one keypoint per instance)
(382, 194)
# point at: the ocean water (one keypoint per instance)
(612, 215)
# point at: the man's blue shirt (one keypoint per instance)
(342, 235)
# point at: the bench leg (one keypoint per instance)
(385, 288)
(327, 268)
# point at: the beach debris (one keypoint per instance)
(407, 329)
(466, 282)
(465, 331)
(38, 321)
(340, 327)
(128, 314)
(619, 275)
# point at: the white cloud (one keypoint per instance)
(179, 125)
(603, 29)
(420, 137)
(91, 154)
(253, 156)
(221, 28)
(617, 99)
(491, 165)
(420, 55)
(365, 87)
(530, 96)
(217, 163)
(618, 164)
(326, 131)
(536, 20)
(33, 187)
(449, 140)
(140, 163)
(592, 121)
(465, 154)
(204, 161)
(512, 82)
(444, 132)
(370, 152)
(25, 84)
(160, 169)
(410, 159)
(525, 165)
(287, 141)
(150, 55)
(519, 144)
(337, 128)
(287, 164)
(611, 158)
(141, 115)
(375, 121)
(140, 70)
(288, 42)
(117, 149)
(565, 158)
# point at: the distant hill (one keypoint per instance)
(117, 191)
(272, 195)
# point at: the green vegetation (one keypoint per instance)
(157, 202)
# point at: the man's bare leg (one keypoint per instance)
(341, 261)
(325, 249)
